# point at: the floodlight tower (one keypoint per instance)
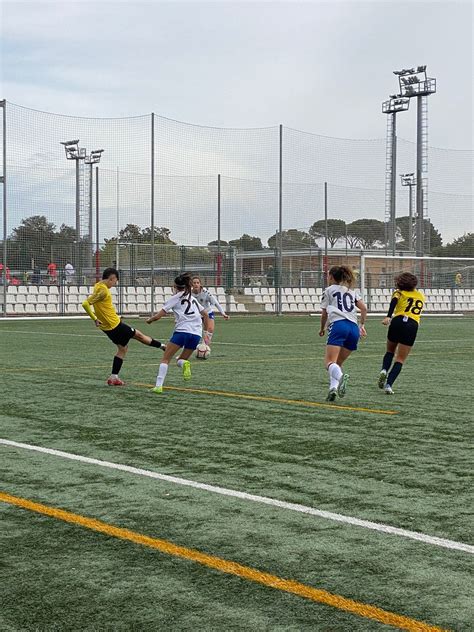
(415, 83)
(92, 159)
(409, 180)
(83, 192)
(395, 103)
(74, 152)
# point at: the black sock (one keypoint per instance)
(155, 343)
(387, 361)
(116, 365)
(394, 373)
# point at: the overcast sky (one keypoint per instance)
(315, 66)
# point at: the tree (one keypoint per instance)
(247, 242)
(433, 237)
(216, 243)
(131, 233)
(292, 239)
(367, 232)
(35, 242)
(460, 247)
(161, 234)
(336, 230)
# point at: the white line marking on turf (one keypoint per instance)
(320, 513)
(436, 341)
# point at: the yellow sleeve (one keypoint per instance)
(97, 296)
(87, 307)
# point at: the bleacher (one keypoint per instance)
(303, 300)
(53, 300)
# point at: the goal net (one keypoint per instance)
(448, 283)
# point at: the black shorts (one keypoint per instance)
(121, 334)
(403, 331)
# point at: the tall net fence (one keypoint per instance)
(267, 207)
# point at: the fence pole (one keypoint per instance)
(325, 262)
(78, 261)
(278, 276)
(97, 244)
(3, 105)
(152, 303)
(117, 220)
(219, 255)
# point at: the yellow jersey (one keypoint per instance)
(101, 299)
(409, 303)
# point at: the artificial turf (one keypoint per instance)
(409, 470)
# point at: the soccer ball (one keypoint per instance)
(203, 351)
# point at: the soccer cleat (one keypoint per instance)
(342, 386)
(186, 370)
(382, 378)
(157, 389)
(115, 381)
(388, 389)
(163, 347)
(331, 395)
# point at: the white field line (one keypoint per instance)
(223, 491)
(216, 342)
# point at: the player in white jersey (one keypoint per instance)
(338, 308)
(209, 302)
(189, 316)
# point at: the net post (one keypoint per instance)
(3, 105)
(152, 212)
(279, 266)
(325, 260)
(219, 254)
(362, 276)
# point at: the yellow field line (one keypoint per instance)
(268, 398)
(227, 566)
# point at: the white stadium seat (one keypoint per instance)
(12, 289)
(22, 289)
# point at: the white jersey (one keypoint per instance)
(339, 302)
(209, 301)
(187, 313)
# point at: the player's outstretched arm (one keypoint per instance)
(219, 307)
(156, 316)
(87, 307)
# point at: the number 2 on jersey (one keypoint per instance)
(188, 310)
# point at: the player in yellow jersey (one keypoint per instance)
(403, 317)
(107, 319)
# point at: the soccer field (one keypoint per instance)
(263, 507)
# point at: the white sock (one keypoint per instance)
(162, 371)
(180, 363)
(208, 336)
(335, 374)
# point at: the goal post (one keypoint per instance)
(448, 282)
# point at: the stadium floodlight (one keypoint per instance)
(71, 147)
(415, 83)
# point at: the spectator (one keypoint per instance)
(458, 280)
(52, 273)
(270, 275)
(36, 276)
(69, 273)
(7, 274)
